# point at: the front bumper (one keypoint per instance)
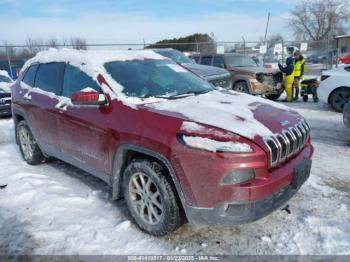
(5, 110)
(240, 213)
(259, 88)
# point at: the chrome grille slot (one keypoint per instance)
(273, 150)
(283, 144)
(291, 139)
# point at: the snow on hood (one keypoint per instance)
(5, 87)
(227, 110)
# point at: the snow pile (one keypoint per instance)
(216, 146)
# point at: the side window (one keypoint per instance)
(29, 76)
(219, 61)
(347, 68)
(49, 77)
(206, 60)
(76, 80)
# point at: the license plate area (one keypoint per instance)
(301, 173)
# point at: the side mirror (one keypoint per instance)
(88, 97)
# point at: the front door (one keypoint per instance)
(83, 129)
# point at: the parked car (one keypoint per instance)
(5, 94)
(335, 87)
(345, 59)
(171, 144)
(346, 115)
(246, 75)
(216, 76)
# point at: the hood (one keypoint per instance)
(255, 70)
(205, 71)
(242, 114)
(5, 87)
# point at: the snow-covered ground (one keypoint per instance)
(57, 209)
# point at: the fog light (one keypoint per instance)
(238, 176)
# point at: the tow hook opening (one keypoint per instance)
(286, 208)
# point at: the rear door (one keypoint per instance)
(42, 100)
(83, 129)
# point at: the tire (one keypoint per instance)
(273, 97)
(241, 86)
(150, 197)
(305, 98)
(29, 148)
(339, 98)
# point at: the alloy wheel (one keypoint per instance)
(26, 143)
(146, 198)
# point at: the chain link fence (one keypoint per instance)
(319, 55)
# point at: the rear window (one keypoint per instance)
(206, 60)
(347, 68)
(76, 80)
(29, 76)
(49, 77)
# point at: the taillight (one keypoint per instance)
(324, 77)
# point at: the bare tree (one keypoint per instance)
(316, 19)
(52, 43)
(78, 43)
(34, 45)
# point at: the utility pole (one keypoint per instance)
(8, 60)
(267, 27)
(243, 45)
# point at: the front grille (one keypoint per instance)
(270, 78)
(287, 143)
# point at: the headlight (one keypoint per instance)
(215, 145)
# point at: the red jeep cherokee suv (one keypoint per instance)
(171, 144)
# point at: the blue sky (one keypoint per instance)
(134, 20)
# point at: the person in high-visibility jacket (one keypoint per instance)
(288, 78)
(299, 69)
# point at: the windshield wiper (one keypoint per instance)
(188, 93)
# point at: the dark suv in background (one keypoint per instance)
(246, 75)
(5, 94)
(216, 76)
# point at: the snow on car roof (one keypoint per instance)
(4, 73)
(92, 62)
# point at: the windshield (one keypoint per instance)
(175, 55)
(5, 79)
(158, 78)
(240, 61)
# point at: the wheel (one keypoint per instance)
(150, 198)
(273, 96)
(305, 98)
(29, 148)
(339, 98)
(242, 87)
